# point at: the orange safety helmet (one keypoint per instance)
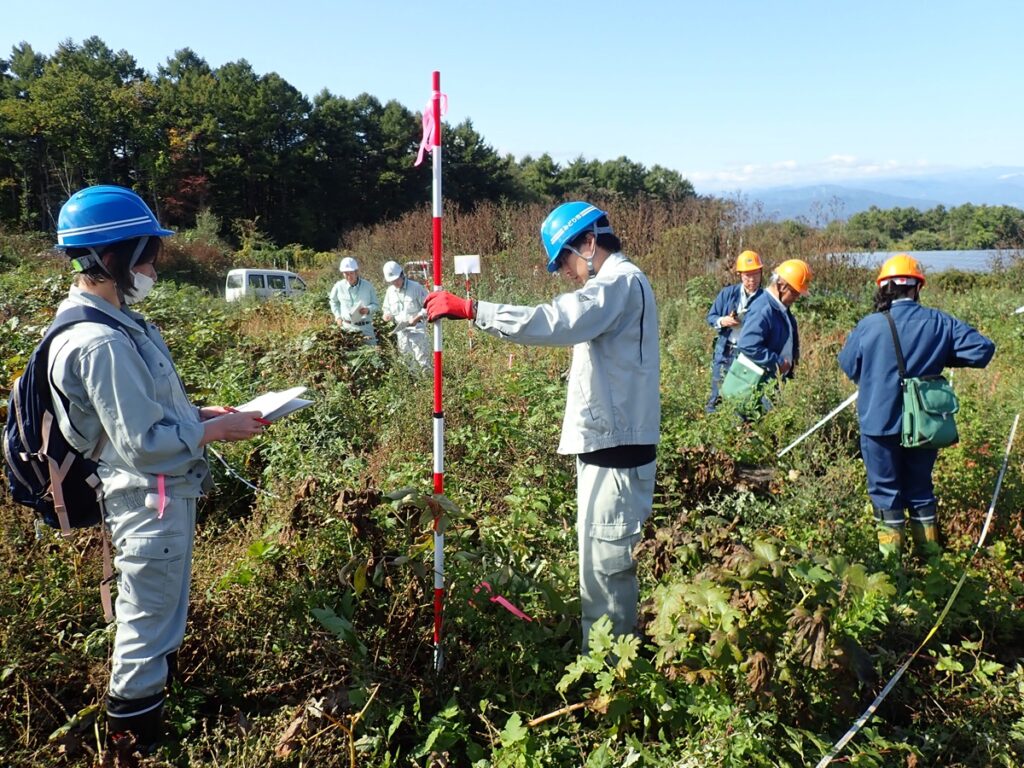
(901, 265)
(797, 273)
(748, 261)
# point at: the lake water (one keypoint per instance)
(937, 261)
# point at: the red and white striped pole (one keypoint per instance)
(438, 409)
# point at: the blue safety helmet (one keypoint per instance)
(566, 222)
(102, 215)
(105, 214)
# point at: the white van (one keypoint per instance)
(261, 283)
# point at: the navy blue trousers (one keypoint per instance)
(724, 355)
(898, 478)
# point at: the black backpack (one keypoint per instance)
(43, 470)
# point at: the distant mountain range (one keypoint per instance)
(821, 203)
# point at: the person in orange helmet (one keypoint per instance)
(726, 317)
(769, 337)
(900, 479)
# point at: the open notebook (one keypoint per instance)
(275, 405)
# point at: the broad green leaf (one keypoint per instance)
(947, 664)
(334, 623)
(514, 730)
(401, 494)
(766, 551)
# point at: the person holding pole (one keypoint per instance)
(403, 304)
(353, 301)
(726, 317)
(613, 408)
(900, 479)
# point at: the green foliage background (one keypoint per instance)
(249, 146)
(965, 227)
(235, 153)
(769, 620)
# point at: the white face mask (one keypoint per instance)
(142, 284)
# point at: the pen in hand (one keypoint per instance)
(261, 420)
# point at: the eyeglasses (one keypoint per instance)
(560, 261)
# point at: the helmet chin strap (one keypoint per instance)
(94, 259)
(591, 272)
(137, 253)
(90, 260)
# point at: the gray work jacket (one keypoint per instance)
(611, 322)
(131, 393)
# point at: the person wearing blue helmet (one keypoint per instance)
(118, 398)
(613, 407)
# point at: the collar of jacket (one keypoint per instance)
(81, 297)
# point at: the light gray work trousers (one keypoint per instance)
(153, 560)
(414, 345)
(612, 506)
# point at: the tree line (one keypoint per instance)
(966, 227)
(251, 147)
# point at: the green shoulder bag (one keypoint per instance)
(743, 382)
(929, 405)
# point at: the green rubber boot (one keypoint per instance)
(926, 538)
(890, 541)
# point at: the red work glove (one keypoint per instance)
(442, 304)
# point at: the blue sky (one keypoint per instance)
(730, 94)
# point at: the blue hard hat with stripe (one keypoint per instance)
(105, 214)
(566, 222)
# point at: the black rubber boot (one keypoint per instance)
(172, 668)
(135, 735)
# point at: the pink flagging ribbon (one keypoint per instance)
(161, 489)
(427, 142)
(501, 601)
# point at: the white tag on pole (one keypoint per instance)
(467, 265)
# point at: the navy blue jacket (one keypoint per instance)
(766, 328)
(728, 300)
(931, 340)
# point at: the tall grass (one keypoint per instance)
(771, 619)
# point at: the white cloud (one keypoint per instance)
(833, 169)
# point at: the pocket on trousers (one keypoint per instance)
(150, 570)
(612, 546)
(647, 472)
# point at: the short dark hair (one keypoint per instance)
(122, 252)
(606, 241)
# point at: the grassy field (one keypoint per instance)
(769, 620)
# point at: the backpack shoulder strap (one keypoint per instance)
(80, 314)
(73, 316)
(63, 321)
(900, 362)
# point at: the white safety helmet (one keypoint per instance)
(392, 271)
(348, 264)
